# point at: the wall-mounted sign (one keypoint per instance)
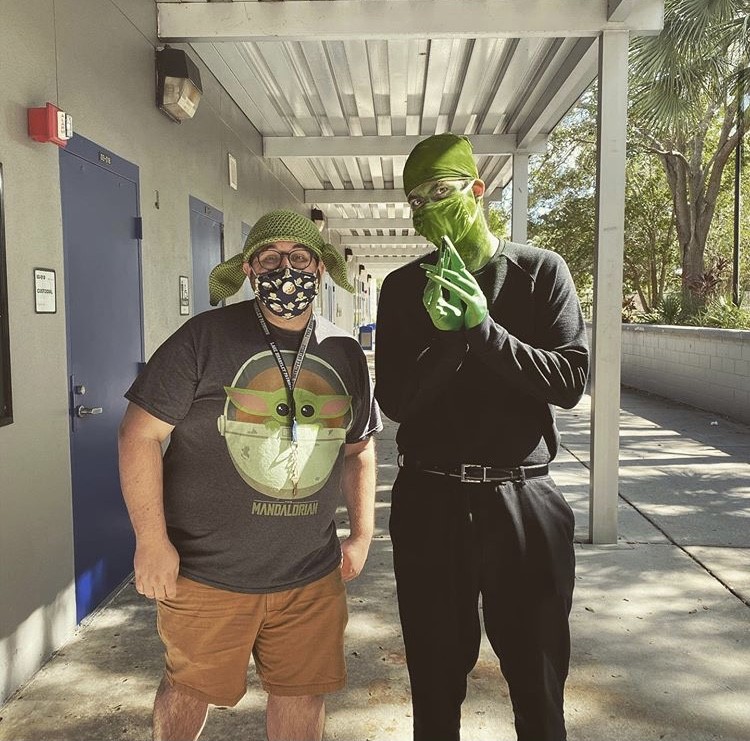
(45, 293)
(184, 295)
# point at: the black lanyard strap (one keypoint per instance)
(289, 381)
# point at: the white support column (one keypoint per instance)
(608, 262)
(520, 208)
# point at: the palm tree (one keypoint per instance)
(684, 105)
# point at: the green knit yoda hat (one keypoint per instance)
(439, 157)
(277, 226)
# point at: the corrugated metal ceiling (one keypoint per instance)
(398, 87)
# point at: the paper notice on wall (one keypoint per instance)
(45, 293)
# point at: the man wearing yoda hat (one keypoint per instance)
(476, 346)
(271, 416)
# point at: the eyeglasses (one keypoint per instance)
(269, 258)
(436, 190)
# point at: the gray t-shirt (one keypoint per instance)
(247, 510)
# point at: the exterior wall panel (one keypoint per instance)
(96, 61)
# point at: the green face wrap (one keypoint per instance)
(452, 217)
(440, 157)
(277, 226)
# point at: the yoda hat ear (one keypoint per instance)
(336, 266)
(226, 279)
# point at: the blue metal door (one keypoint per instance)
(105, 346)
(207, 240)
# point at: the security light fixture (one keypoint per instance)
(178, 84)
(318, 218)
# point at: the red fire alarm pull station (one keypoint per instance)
(50, 124)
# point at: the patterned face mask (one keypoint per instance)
(286, 292)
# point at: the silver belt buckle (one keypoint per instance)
(473, 478)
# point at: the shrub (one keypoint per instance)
(667, 311)
(720, 312)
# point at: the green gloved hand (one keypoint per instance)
(460, 284)
(446, 311)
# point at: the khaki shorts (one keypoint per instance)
(296, 638)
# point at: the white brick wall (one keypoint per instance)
(706, 368)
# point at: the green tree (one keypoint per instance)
(562, 208)
(498, 220)
(650, 257)
(562, 193)
(720, 242)
(684, 105)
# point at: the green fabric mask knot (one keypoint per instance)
(276, 226)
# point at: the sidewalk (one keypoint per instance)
(660, 621)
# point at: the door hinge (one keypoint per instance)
(138, 227)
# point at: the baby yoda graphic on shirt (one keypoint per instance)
(257, 419)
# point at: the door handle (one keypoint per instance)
(82, 411)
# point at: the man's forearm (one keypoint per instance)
(358, 485)
(156, 562)
(142, 485)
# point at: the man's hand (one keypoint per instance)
(353, 556)
(447, 314)
(156, 567)
(461, 285)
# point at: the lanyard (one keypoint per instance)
(289, 381)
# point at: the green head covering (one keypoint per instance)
(277, 226)
(439, 157)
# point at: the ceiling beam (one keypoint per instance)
(347, 241)
(576, 70)
(385, 146)
(619, 10)
(413, 19)
(389, 195)
(369, 224)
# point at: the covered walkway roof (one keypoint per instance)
(341, 90)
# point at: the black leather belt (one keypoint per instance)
(475, 473)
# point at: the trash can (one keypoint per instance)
(365, 336)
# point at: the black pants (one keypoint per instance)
(514, 544)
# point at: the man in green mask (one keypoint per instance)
(476, 346)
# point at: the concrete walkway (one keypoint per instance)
(660, 622)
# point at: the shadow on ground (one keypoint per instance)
(661, 650)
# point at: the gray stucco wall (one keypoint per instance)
(706, 368)
(94, 59)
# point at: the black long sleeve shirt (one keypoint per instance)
(484, 395)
